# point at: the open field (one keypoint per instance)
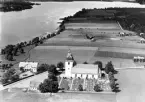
(122, 50)
(100, 25)
(97, 43)
(116, 54)
(131, 83)
(59, 97)
(103, 39)
(54, 54)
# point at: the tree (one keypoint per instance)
(99, 63)
(10, 64)
(14, 78)
(4, 80)
(112, 83)
(48, 36)
(41, 42)
(10, 57)
(52, 69)
(22, 44)
(60, 65)
(97, 88)
(22, 69)
(52, 77)
(4, 66)
(15, 51)
(112, 80)
(110, 75)
(85, 62)
(109, 67)
(80, 87)
(35, 40)
(36, 44)
(10, 76)
(103, 75)
(22, 50)
(49, 86)
(116, 89)
(42, 68)
(3, 51)
(140, 1)
(9, 48)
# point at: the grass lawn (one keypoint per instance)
(59, 97)
(78, 38)
(116, 54)
(131, 83)
(100, 25)
(54, 54)
(117, 62)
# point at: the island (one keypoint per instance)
(7, 6)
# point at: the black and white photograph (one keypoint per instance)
(72, 50)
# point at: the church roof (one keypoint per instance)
(85, 69)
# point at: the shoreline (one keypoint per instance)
(55, 32)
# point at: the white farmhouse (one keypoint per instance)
(29, 66)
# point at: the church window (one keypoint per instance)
(68, 62)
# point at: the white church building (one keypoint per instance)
(80, 70)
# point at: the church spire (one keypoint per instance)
(69, 56)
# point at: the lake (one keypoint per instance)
(27, 24)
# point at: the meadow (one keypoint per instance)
(131, 83)
(107, 47)
(98, 25)
(59, 97)
(54, 54)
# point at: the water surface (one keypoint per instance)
(24, 25)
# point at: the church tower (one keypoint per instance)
(69, 64)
